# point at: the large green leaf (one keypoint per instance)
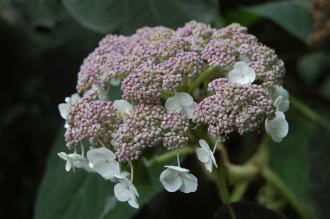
(319, 171)
(290, 159)
(292, 15)
(311, 66)
(128, 15)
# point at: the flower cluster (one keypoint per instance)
(166, 93)
(233, 107)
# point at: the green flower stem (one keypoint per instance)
(308, 112)
(278, 184)
(220, 178)
(170, 155)
(207, 73)
(238, 173)
(239, 191)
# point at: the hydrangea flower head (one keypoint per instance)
(173, 82)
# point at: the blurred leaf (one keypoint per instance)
(242, 16)
(319, 171)
(325, 88)
(290, 159)
(292, 15)
(128, 15)
(246, 210)
(45, 13)
(84, 195)
(314, 68)
(310, 66)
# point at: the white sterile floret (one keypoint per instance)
(278, 127)
(74, 160)
(102, 161)
(124, 191)
(181, 103)
(177, 178)
(65, 107)
(123, 106)
(280, 97)
(242, 73)
(205, 155)
(115, 82)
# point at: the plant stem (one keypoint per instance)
(278, 184)
(220, 179)
(202, 78)
(239, 191)
(170, 155)
(308, 112)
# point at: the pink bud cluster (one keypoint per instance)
(91, 119)
(233, 107)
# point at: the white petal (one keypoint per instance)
(204, 144)
(96, 154)
(178, 169)
(209, 166)
(68, 165)
(66, 125)
(170, 180)
(280, 96)
(281, 91)
(106, 169)
(213, 159)
(242, 73)
(202, 155)
(172, 104)
(123, 106)
(115, 82)
(189, 110)
(133, 202)
(189, 183)
(278, 127)
(251, 74)
(240, 66)
(74, 98)
(184, 98)
(121, 192)
(63, 155)
(284, 106)
(64, 109)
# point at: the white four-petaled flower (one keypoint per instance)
(177, 178)
(181, 103)
(205, 155)
(102, 161)
(242, 73)
(125, 191)
(280, 97)
(65, 107)
(278, 127)
(123, 106)
(74, 160)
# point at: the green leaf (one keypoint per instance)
(311, 66)
(45, 13)
(319, 171)
(290, 159)
(128, 15)
(246, 210)
(292, 15)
